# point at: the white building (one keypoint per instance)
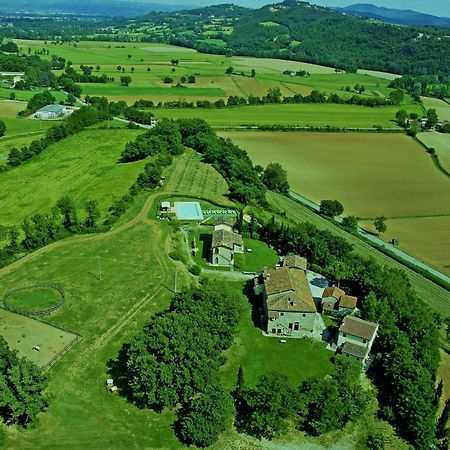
(356, 337)
(51, 112)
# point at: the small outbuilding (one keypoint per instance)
(165, 207)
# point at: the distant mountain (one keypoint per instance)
(398, 16)
(86, 8)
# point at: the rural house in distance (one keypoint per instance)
(356, 337)
(225, 243)
(289, 307)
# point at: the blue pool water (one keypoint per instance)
(188, 211)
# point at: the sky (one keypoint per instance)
(435, 7)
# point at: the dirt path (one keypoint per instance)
(81, 238)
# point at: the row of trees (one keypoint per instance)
(165, 137)
(274, 96)
(427, 85)
(231, 161)
(247, 183)
(408, 338)
(64, 219)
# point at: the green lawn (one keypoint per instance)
(83, 166)
(303, 115)
(26, 95)
(298, 359)
(16, 126)
(261, 256)
(34, 298)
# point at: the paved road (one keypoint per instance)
(141, 125)
(379, 242)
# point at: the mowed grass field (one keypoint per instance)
(23, 333)
(442, 108)
(83, 166)
(211, 81)
(441, 143)
(190, 176)
(371, 175)
(301, 115)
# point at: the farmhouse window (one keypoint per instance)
(274, 330)
(291, 325)
(296, 326)
(345, 335)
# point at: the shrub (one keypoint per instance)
(195, 270)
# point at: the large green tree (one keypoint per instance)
(270, 404)
(275, 178)
(21, 388)
(201, 420)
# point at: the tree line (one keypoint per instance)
(65, 218)
(274, 96)
(247, 184)
(38, 73)
(427, 85)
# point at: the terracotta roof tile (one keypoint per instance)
(288, 290)
(347, 301)
(295, 262)
(333, 291)
(355, 350)
(358, 327)
(225, 238)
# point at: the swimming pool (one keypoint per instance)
(188, 211)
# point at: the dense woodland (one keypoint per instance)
(312, 34)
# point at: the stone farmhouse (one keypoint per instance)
(225, 243)
(356, 337)
(289, 307)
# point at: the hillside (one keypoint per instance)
(300, 31)
(401, 17)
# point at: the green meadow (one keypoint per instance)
(83, 166)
